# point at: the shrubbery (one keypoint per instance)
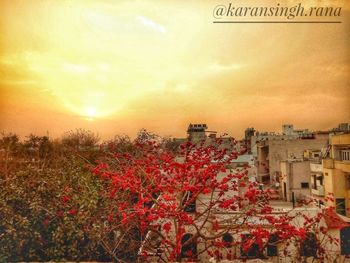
(49, 214)
(52, 207)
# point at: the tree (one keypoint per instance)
(9, 143)
(40, 146)
(83, 143)
(80, 139)
(185, 206)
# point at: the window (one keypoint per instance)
(345, 240)
(272, 246)
(188, 246)
(309, 246)
(340, 206)
(253, 251)
(304, 185)
(227, 239)
(189, 202)
(320, 178)
(314, 183)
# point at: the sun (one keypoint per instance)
(91, 112)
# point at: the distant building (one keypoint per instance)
(288, 133)
(287, 129)
(248, 134)
(342, 127)
(295, 179)
(293, 158)
(271, 152)
(196, 132)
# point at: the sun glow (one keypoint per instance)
(91, 112)
(89, 60)
(123, 65)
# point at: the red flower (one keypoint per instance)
(167, 227)
(46, 222)
(72, 212)
(65, 198)
(124, 218)
(110, 218)
(59, 213)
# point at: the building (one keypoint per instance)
(288, 133)
(336, 172)
(317, 181)
(199, 134)
(274, 252)
(342, 128)
(196, 132)
(297, 160)
(248, 134)
(295, 179)
(271, 152)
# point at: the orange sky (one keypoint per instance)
(117, 66)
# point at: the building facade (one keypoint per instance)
(295, 179)
(336, 171)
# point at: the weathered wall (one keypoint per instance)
(282, 150)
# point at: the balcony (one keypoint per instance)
(345, 155)
(319, 191)
(316, 167)
(342, 165)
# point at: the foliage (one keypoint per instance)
(184, 204)
(80, 139)
(148, 198)
(50, 214)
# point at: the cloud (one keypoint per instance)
(76, 68)
(151, 24)
(219, 67)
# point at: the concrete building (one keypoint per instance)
(248, 134)
(317, 181)
(196, 132)
(288, 252)
(199, 134)
(271, 152)
(342, 128)
(287, 129)
(267, 136)
(336, 171)
(292, 158)
(288, 133)
(295, 179)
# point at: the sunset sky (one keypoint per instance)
(118, 66)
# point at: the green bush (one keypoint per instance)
(52, 214)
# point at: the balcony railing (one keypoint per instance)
(319, 191)
(345, 155)
(316, 167)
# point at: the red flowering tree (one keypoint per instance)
(196, 204)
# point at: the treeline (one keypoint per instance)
(53, 208)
